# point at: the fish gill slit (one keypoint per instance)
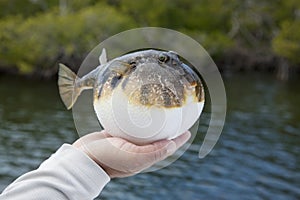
(100, 91)
(199, 92)
(115, 81)
(126, 78)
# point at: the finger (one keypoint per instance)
(151, 147)
(160, 145)
(179, 141)
(97, 136)
(162, 152)
(182, 139)
(169, 148)
(148, 153)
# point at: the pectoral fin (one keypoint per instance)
(119, 67)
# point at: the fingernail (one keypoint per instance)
(171, 148)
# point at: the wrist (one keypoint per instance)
(84, 150)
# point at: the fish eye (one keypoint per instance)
(132, 64)
(163, 57)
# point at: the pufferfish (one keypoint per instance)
(142, 97)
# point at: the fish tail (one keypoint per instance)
(67, 87)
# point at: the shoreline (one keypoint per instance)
(228, 63)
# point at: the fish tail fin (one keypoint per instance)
(67, 88)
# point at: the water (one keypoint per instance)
(257, 156)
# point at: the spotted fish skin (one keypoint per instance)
(149, 77)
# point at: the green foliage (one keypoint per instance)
(206, 21)
(36, 34)
(37, 42)
(285, 10)
(287, 42)
(216, 43)
(25, 8)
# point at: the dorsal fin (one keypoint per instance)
(103, 57)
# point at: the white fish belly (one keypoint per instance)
(144, 124)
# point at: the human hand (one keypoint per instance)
(120, 158)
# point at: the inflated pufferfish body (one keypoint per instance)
(142, 96)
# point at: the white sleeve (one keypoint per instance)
(68, 174)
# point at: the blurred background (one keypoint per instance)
(255, 44)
